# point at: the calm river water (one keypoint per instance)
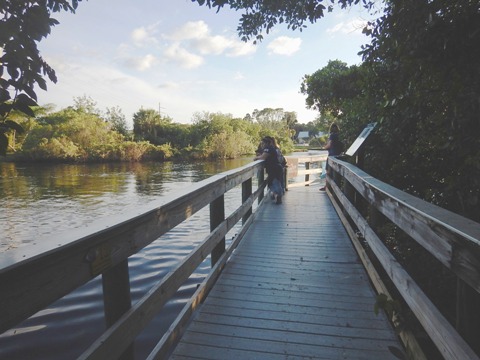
(39, 200)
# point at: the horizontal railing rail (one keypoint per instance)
(451, 239)
(313, 165)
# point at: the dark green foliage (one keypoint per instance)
(420, 82)
(424, 58)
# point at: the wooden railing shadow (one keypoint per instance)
(453, 240)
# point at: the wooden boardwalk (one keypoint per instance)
(294, 289)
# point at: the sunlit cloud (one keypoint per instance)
(191, 30)
(211, 44)
(240, 48)
(197, 37)
(176, 54)
(143, 36)
(284, 45)
(141, 63)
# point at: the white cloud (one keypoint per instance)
(352, 26)
(212, 44)
(240, 48)
(284, 45)
(143, 36)
(197, 35)
(191, 30)
(139, 35)
(141, 63)
(185, 59)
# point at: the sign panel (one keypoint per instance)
(360, 139)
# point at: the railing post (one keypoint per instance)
(307, 176)
(116, 298)
(217, 215)
(246, 192)
(260, 180)
(337, 177)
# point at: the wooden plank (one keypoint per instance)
(298, 337)
(286, 349)
(298, 291)
(347, 317)
(287, 293)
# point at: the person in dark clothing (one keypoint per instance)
(334, 145)
(281, 160)
(274, 168)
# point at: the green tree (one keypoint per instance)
(206, 124)
(86, 104)
(277, 123)
(177, 135)
(115, 117)
(339, 93)
(328, 88)
(228, 145)
(72, 135)
(222, 136)
(145, 124)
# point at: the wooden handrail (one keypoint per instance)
(450, 238)
(309, 160)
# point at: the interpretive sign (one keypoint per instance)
(360, 139)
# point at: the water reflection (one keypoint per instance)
(39, 199)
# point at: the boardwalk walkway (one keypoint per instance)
(294, 289)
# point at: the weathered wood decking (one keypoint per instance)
(294, 289)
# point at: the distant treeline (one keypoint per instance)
(82, 133)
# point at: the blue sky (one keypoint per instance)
(184, 58)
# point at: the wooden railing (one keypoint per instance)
(313, 165)
(32, 278)
(453, 240)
